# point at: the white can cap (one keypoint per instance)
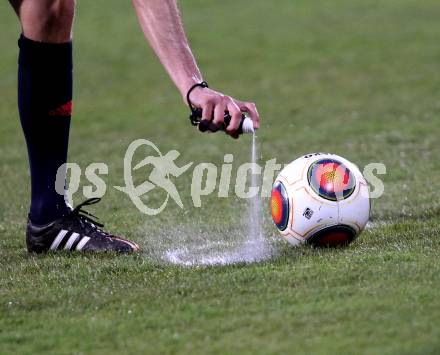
(248, 125)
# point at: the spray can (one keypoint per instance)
(246, 124)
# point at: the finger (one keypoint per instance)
(219, 113)
(234, 134)
(207, 111)
(235, 114)
(251, 109)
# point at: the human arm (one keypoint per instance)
(162, 26)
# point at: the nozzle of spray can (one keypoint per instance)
(246, 124)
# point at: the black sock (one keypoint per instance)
(44, 102)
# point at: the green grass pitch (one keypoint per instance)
(356, 78)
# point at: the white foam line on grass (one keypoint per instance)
(186, 257)
(377, 224)
(220, 253)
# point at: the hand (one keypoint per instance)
(214, 105)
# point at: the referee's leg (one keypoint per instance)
(45, 97)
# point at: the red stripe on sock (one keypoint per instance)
(63, 110)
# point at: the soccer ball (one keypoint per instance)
(320, 199)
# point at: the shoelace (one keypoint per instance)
(86, 220)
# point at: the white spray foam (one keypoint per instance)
(210, 245)
(256, 245)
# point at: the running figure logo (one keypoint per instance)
(163, 166)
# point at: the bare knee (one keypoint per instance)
(47, 20)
